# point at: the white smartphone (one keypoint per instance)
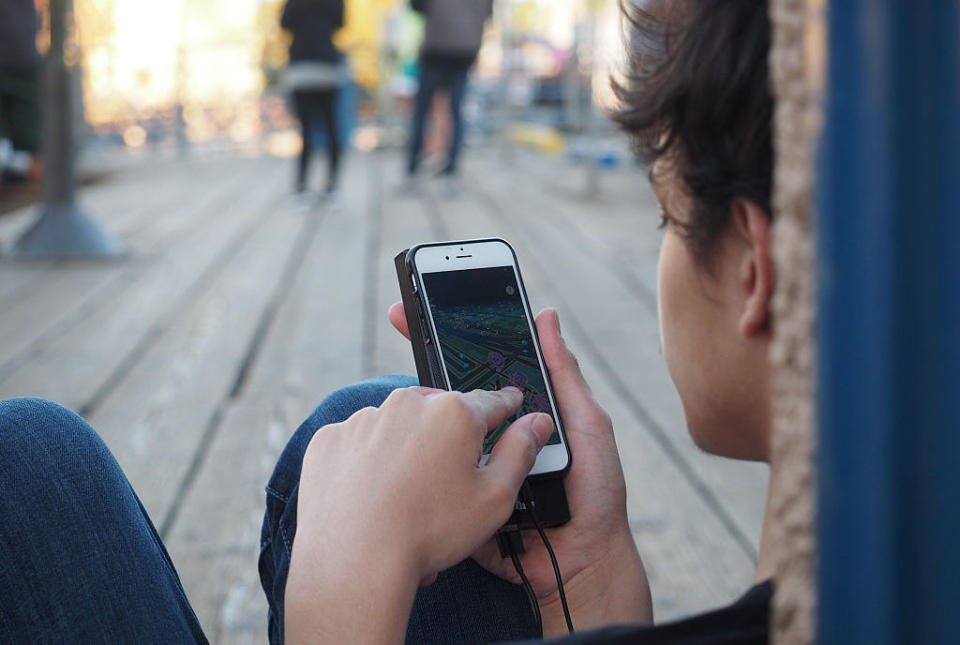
(477, 314)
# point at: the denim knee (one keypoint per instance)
(36, 432)
(44, 447)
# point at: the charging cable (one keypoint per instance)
(511, 546)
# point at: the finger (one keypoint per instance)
(493, 407)
(516, 452)
(398, 318)
(571, 388)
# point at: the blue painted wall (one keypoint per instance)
(889, 325)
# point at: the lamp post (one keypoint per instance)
(62, 230)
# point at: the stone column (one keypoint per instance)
(797, 70)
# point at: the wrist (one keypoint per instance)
(333, 594)
(610, 590)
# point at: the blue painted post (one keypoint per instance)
(889, 325)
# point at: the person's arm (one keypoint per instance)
(340, 588)
(392, 496)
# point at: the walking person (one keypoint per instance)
(313, 77)
(454, 32)
(19, 90)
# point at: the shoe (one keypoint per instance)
(332, 200)
(450, 187)
(410, 186)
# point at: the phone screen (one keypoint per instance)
(485, 338)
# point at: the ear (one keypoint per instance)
(756, 269)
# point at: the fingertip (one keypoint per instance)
(398, 318)
(542, 427)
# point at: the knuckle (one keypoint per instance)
(399, 396)
(363, 415)
(453, 406)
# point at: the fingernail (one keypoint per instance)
(556, 317)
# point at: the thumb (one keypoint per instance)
(516, 452)
(398, 318)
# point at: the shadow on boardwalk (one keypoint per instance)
(240, 308)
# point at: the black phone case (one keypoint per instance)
(550, 499)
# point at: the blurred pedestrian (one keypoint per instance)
(314, 78)
(19, 89)
(454, 32)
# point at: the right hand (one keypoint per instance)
(595, 549)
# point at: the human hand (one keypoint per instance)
(595, 549)
(394, 494)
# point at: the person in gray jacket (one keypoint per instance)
(454, 32)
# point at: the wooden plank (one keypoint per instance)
(313, 347)
(94, 341)
(626, 339)
(695, 563)
(120, 205)
(75, 289)
(404, 222)
(621, 217)
(155, 420)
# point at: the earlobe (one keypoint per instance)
(753, 223)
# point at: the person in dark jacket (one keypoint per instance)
(19, 87)
(313, 77)
(454, 32)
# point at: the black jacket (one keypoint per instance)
(312, 23)
(18, 32)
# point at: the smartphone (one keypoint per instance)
(472, 328)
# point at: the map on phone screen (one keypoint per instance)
(485, 338)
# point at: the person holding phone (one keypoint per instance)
(379, 517)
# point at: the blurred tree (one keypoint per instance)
(275, 42)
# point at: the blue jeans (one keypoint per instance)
(80, 560)
(438, 74)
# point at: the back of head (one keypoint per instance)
(696, 100)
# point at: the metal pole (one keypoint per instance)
(62, 230)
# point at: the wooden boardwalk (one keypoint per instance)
(239, 309)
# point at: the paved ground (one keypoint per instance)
(239, 308)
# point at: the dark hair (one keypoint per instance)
(696, 93)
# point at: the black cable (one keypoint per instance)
(526, 496)
(531, 595)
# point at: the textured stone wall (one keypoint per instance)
(796, 67)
